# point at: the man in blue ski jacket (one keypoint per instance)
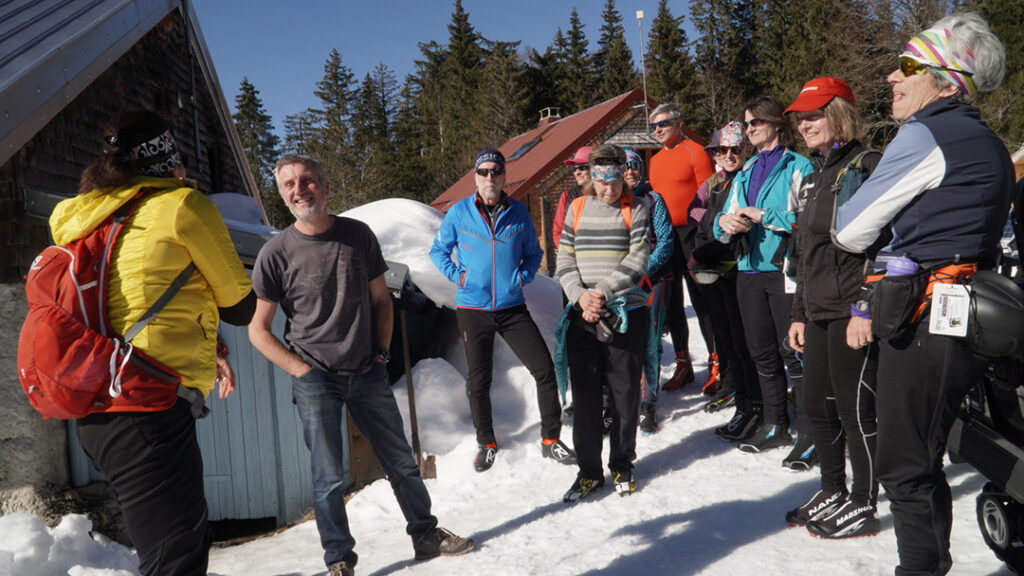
(496, 253)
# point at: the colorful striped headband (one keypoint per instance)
(608, 173)
(932, 47)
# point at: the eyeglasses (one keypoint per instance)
(662, 124)
(726, 150)
(755, 122)
(632, 165)
(910, 67)
(485, 172)
(581, 168)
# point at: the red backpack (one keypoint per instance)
(70, 362)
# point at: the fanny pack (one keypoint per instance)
(897, 302)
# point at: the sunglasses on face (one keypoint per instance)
(910, 67)
(632, 165)
(755, 122)
(662, 124)
(581, 168)
(485, 172)
(727, 150)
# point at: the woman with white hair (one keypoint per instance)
(943, 187)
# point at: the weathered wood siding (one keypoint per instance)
(157, 74)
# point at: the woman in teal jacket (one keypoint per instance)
(760, 213)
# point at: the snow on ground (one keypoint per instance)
(702, 506)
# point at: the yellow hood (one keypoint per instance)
(76, 217)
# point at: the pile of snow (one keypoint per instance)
(702, 506)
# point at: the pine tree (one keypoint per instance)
(300, 133)
(613, 61)
(256, 131)
(671, 75)
(545, 75)
(372, 147)
(503, 94)
(333, 141)
(579, 74)
(1003, 109)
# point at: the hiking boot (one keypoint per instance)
(820, 505)
(848, 521)
(485, 457)
(683, 374)
(581, 488)
(340, 569)
(711, 386)
(742, 425)
(558, 451)
(648, 419)
(625, 482)
(444, 543)
(767, 437)
(720, 400)
(803, 456)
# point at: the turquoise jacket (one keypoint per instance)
(779, 199)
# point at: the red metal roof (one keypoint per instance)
(556, 141)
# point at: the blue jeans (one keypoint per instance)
(321, 398)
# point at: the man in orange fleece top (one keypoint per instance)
(676, 172)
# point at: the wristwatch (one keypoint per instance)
(384, 355)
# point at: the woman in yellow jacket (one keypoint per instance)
(152, 459)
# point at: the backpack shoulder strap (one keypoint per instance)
(854, 164)
(626, 206)
(577, 212)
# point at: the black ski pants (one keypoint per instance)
(519, 331)
(735, 367)
(617, 365)
(922, 379)
(839, 400)
(764, 306)
(152, 460)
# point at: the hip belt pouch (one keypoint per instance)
(893, 301)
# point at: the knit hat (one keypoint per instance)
(580, 157)
(633, 156)
(932, 47)
(490, 155)
(819, 92)
(145, 141)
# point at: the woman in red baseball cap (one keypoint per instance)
(838, 392)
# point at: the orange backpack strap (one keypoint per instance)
(946, 275)
(577, 212)
(625, 204)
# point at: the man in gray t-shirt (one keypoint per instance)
(327, 275)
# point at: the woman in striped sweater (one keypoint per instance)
(601, 264)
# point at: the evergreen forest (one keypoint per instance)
(381, 137)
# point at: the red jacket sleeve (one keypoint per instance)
(559, 222)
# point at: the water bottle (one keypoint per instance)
(901, 266)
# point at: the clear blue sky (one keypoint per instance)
(281, 46)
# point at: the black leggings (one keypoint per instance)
(839, 400)
(736, 368)
(153, 462)
(765, 306)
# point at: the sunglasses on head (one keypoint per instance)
(726, 150)
(581, 168)
(910, 67)
(485, 172)
(662, 124)
(606, 162)
(755, 122)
